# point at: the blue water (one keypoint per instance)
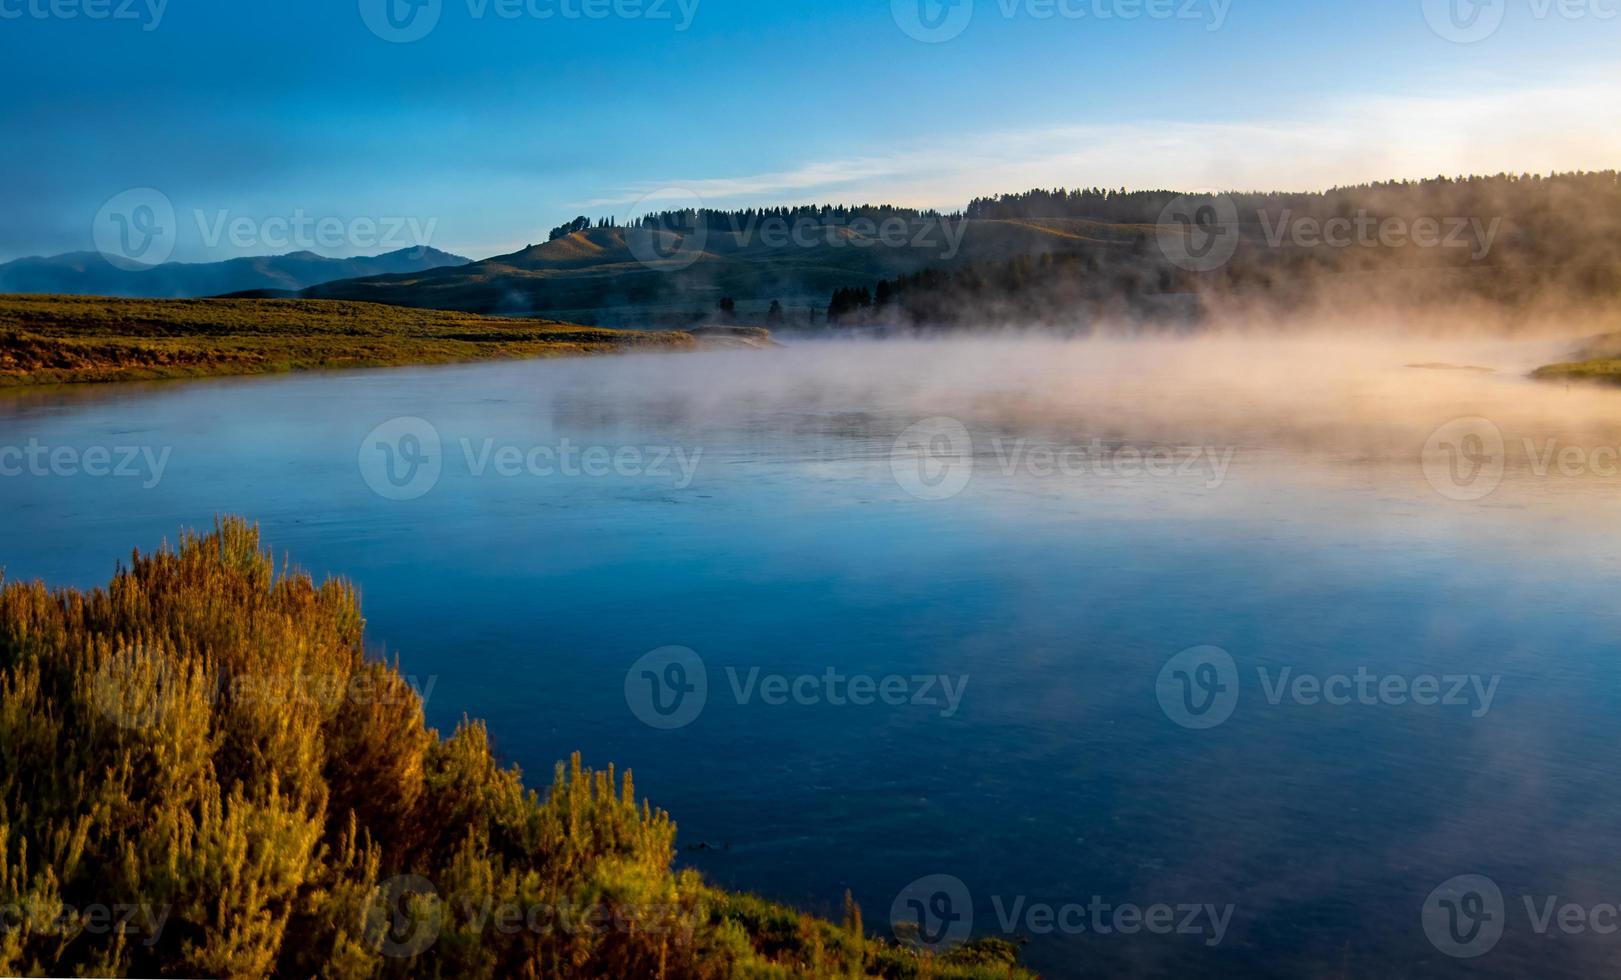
(1055, 599)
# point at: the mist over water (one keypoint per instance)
(1316, 399)
(1306, 503)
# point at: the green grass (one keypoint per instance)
(1598, 359)
(63, 339)
(203, 774)
(1605, 369)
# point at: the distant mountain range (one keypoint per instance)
(89, 274)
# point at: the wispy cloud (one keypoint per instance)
(1569, 124)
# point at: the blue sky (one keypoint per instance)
(510, 116)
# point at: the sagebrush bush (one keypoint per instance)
(202, 775)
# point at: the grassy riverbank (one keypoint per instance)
(204, 775)
(70, 339)
(1606, 369)
(1601, 369)
(1597, 359)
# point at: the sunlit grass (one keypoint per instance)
(1599, 359)
(59, 339)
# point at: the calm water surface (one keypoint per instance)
(1055, 585)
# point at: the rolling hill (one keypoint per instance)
(1505, 245)
(640, 277)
